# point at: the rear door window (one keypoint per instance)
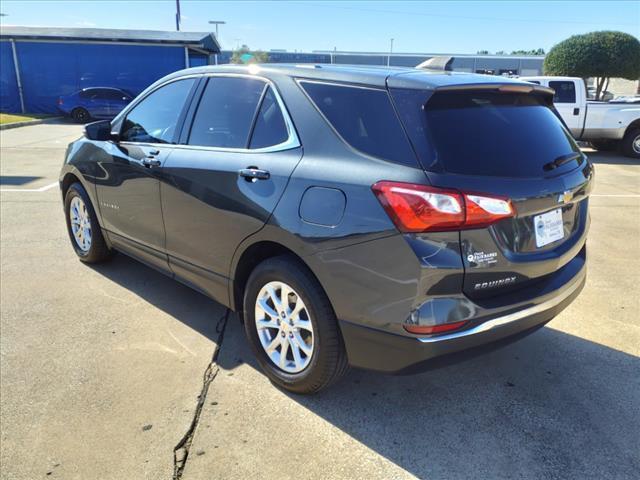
(496, 134)
(565, 92)
(226, 111)
(270, 128)
(364, 118)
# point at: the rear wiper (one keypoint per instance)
(561, 160)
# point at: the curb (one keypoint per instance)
(37, 121)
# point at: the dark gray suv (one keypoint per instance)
(389, 219)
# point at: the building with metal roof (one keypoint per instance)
(40, 64)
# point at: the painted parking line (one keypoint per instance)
(41, 189)
(629, 195)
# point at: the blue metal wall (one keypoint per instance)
(48, 70)
(9, 100)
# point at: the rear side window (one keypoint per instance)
(495, 134)
(226, 112)
(270, 128)
(565, 92)
(364, 118)
(155, 118)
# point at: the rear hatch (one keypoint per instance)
(505, 142)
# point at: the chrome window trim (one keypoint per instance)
(289, 144)
(301, 80)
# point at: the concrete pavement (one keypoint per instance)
(101, 368)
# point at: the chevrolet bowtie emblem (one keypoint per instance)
(565, 197)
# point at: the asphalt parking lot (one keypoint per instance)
(102, 369)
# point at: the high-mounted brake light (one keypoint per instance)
(419, 208)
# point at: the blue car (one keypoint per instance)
(94, 102)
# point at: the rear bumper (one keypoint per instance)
(387, 352)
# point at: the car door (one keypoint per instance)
(223, 182)
(98, 104)
(117, 101)
(128, 188)
(568, 104)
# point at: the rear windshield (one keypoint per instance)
(497, 134)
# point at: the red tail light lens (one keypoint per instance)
(483, 210)
(417, 208)
(420, 208)
(427, 330)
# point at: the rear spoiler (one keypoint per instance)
(501, 87)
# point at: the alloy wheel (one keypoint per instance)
(80, 224)
(284, 327)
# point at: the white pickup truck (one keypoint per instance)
(606, 125)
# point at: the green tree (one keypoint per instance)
(537, 51)
(601, 55)
(244, 55)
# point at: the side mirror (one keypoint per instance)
(100, 130)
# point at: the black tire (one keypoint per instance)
(605, 145)
(328, 361)
(630, 138)
(98, 250)
(80, 115)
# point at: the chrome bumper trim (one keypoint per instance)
(512, 317)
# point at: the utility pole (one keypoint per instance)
(390, 52)
(177, 15)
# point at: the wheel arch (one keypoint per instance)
(69, 179)
(246, 261)
(632, 125)
(72, 175)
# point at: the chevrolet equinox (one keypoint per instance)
(388, 219)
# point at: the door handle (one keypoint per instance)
(251, 174)
(151, 162)
(576, 111)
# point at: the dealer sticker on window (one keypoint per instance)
(548, 227)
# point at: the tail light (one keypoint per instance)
(60, 102)
(419, 208)
(431, 329)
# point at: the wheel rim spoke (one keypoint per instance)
(267, 309)
(284, 328)
(302, 345)
(284, 347)
(304, 324)
(295, 350)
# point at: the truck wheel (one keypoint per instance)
(631, 143)
(605, 145)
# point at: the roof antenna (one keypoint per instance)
(441, 63)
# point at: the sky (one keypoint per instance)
(418, 26)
